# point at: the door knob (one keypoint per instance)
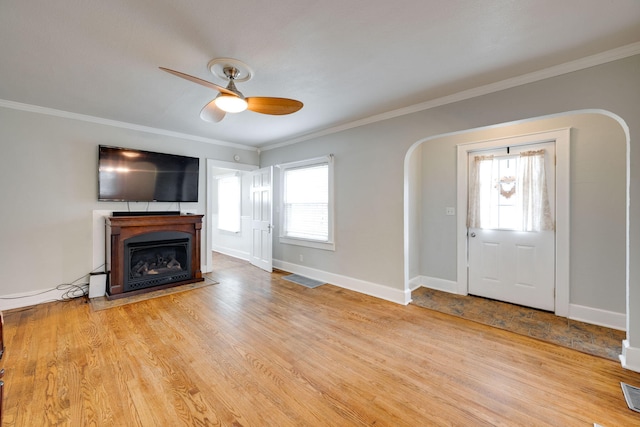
(473, 234)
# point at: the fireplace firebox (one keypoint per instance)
(156, 258)
(152, 252)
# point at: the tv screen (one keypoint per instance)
(145, 176)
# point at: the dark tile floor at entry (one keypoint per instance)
(584, 337)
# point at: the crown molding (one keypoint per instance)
(558, 70)
(115, 123)
(568, 67)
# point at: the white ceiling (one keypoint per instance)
(346, 60)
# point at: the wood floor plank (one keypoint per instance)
(256, 350)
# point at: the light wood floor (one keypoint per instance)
(256, 350)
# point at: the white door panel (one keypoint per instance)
(261, 219)
(513, 266)
(510, 265)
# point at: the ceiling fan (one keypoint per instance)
(230, 99)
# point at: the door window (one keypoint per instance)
(510, 191)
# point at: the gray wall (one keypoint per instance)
(369, 165)
(47, 170)
(369, 168)
(597, 205)
(48, 176)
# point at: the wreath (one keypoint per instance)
(507, 186)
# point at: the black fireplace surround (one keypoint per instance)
(156, 258)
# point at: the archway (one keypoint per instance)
(599, 143)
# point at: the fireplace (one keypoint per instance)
(152, 252)
(156, 258)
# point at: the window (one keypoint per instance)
(510, 191)
(229, 203)
(306, 215)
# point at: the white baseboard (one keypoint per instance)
(27, 299)
(377, 290)
(246, 256)
(595, 316)
(630, 357)
(415, 283)
(444, 285)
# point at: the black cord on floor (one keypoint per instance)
(72, 290)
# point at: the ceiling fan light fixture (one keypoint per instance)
(230, 99)
(231, 104)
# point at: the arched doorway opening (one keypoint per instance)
(599, 179)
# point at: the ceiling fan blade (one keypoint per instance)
(273, 106)
(199, 81)
(211, 113)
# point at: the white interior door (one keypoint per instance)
(505, 262)
(261, 218)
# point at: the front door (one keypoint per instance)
(261, 218)
(511, 239)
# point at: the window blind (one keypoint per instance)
(306, 202)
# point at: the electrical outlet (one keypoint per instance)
(301, 258)
(450, 211)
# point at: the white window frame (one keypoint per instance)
(329, 244)
(236, 177)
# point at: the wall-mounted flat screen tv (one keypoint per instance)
(144, 176)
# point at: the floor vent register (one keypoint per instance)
(632, 396)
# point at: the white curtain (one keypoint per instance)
(531, 193)
(480, 180)
(532, 190)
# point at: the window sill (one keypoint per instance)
(327, 246)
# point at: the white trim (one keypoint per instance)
(99, 239)
(307, 162)
(630, 357)
(562, 138)
(243, 255)
(596, 316)
(558, 70)
(368, 288)
(115, 123)
(563, 221)
(441, 284)
(227, 175)
(329, 244)
(444, 285)
(28, 299)
(415, 283)
(326, 246)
